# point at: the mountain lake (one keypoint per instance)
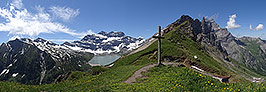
(104, 59)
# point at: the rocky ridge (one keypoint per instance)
(220, 42)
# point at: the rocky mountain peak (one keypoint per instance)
(210, 23)
(115, 34)
(102, 33)
(185, 18)
(89, 37)
(179, 21)
(40, 40)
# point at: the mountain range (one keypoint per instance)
(41, 61)
(106, 43)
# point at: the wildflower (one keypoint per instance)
(211, 83)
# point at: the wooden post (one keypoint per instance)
(159, 45)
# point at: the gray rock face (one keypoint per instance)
(248, 51)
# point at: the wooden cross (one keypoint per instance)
(159, 37)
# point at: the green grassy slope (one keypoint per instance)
(176, 79)
(254, 47)
(166, 78)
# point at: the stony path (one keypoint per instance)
(138, 75)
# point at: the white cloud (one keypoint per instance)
(17, 3)
(259, 27)
(231, 24)
(250, 27)
(19, 21)
(64, 13)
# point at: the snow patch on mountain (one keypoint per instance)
(112, 38)
(98, 51)
(5, 71)
(101, 36)
(14, 74)
(9, 65)
(135, 45)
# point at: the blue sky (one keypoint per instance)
(67, 20)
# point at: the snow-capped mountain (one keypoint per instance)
(106, 43)
(39, 61)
